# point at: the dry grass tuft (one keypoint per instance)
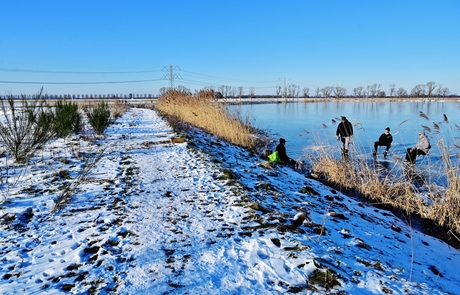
(118, 108)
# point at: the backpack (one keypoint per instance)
(273, 157)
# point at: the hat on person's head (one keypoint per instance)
(344, 118)
(421, 133)
(282, 140)
(388, 128)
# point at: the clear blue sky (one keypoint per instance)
(237, 43)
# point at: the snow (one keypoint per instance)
(154, 217)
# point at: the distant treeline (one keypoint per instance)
(220, 96)
(82, 96)
(286, 92)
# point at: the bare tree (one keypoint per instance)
(339, 92)
(292, 90)
(240, 91)
(374, 89)
(418, 91)
(278, 91)
(224, 89)
(232, 91)
(392, 89)
(318, 92)
(401, 92)
(326, 91)
(442, 91)
(367, 91)
(221, 89)
(358, 91)
(306, 92)
(430, 87)
(252, 92)
(183, 90)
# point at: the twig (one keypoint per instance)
(324, 221)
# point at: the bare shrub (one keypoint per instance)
(72, 187)
(10, 177)
(26, 126)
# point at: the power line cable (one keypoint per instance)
(217, 85)
(226, 79)
(75, 72)
(171, 76)
(78, 83)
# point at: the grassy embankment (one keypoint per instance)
(378, 185)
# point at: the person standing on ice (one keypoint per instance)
(345, 134)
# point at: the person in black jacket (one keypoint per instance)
(281, 149)
(384, 140)
(345, 134)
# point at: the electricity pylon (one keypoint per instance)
(171, 76)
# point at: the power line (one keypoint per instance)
(226, 79)
(75, 72)
(193, 82)
(171, 76)
(77, 83)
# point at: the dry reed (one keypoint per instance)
(203, 111)
(118, 108)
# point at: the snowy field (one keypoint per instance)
(200, 217)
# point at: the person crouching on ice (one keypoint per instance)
(384, 140)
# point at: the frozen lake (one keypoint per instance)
(303, 124)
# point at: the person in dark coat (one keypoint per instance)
(421, 148)
(384, 140)
(281, 149)
(344, 133)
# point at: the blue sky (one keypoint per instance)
(237, 43)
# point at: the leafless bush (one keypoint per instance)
(72, 188)
(26, 125)
(10, 176)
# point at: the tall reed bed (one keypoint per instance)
(415, 190)
(202, 110)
